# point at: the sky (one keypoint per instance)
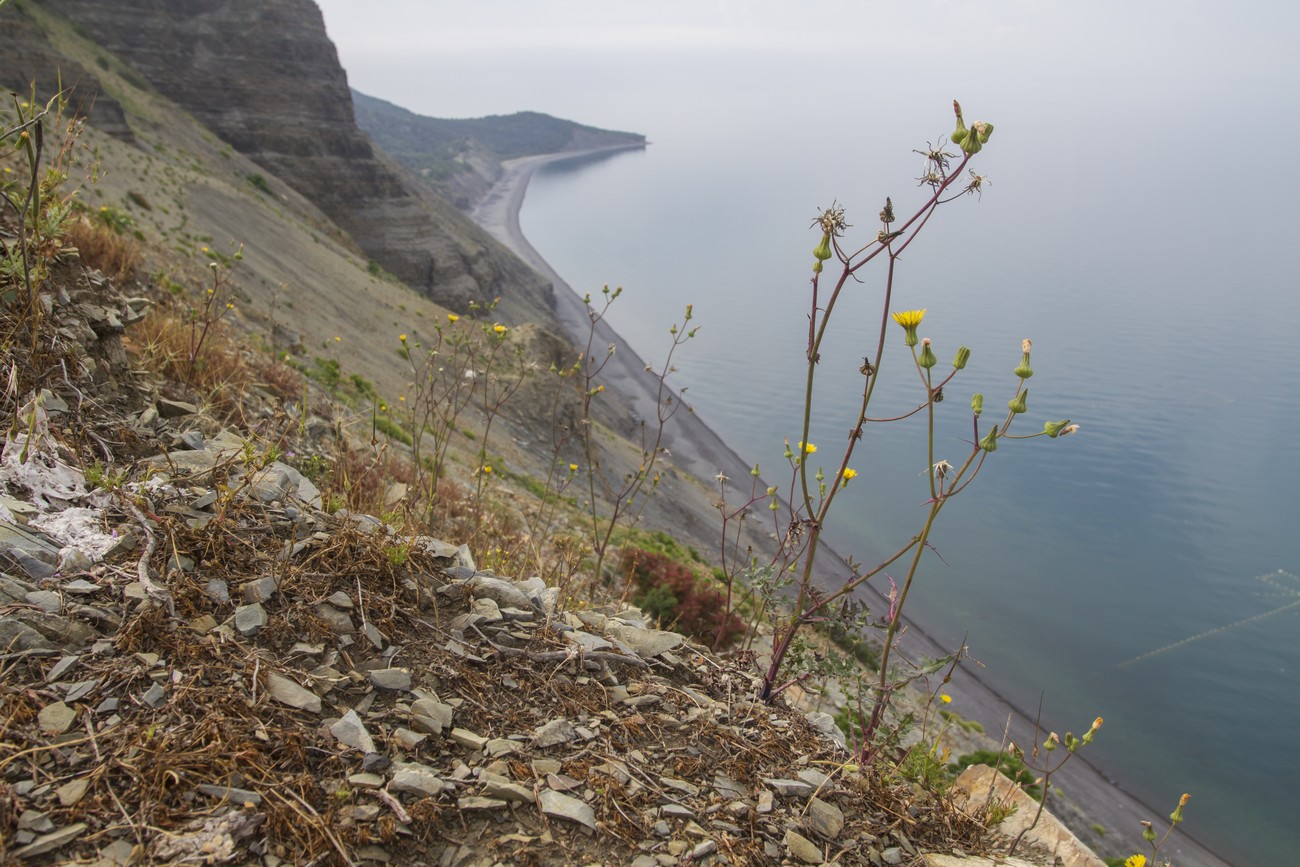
(599, 62)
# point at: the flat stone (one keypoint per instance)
(287, 691)
(340, 600)
(352, 732)
(802, 848)
(82, 587)
(17, 637)
(708, 847)
(62, 667)
(893, 855)
(765, 800)
(391, 678)
(557, 731)
(561, 806)
(789, 788)
(56, 718)
(250, 619)
(407, 739)
(230, 793)
(496, 786)
(487, 609)
(259, 590)
(338, 622)
(218, 590)
(825, 818)
(73, 791)
(175, 408)
(498, 747)
(373, 635)
(587, 641)
(431, 716)
(474, 802)
(467, 738)
(645, 642)
(154, 696)
(203, 624)
(50, 842)
(366, 781)
(46, 600)
(504, 593)
(417, 780)
(814, 778)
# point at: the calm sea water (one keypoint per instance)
(1146, 569)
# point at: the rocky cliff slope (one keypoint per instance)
(263, 75)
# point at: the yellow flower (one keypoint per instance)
(1136, 861)
(807, 448)
(573, 468)
(909, 319)
(452, 317)
(8, 171)
(487, 469)
(849, 473)
(945, 698)
(499, 328)
(338, 339)
(401, 337)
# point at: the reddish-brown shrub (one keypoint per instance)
(679, 597)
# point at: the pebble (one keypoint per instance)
(250, 619)
(259, 590)
(417, 780)
(553, 733)
(56, 718)
(467, 738)
(154, 696)
(802, 848)
(234, 795)
(789, 788)
(46, 600)
(338, 622)
(825, 818)
(49, 842)
(391, 678)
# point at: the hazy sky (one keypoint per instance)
(595, 61)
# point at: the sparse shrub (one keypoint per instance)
(258, 182)
(678, 596)
(105, 250)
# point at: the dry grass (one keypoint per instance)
(115, 256)
(218, 376)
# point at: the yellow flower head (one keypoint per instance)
(573, 468)
(1136, 861)
(487, 468)
(499, 328)
(807, 448)
(401, 337)
(849, 473)
(452, 317)
(909, 319)
(945, 698)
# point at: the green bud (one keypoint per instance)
(977, 403)
(817, 267)
(1050, 743)
(1023, 370)
(960, 133)
(927, 359)
(773, 506)
(983, 129)
(823, 250)
(990, 441)
(1054, 428)
(754, 471)
(1148, 832)
(1017, 404)
(959, 361)
(1071, 742)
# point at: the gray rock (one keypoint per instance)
(473, 802)
(73, 560)
(56, 718)
(467, 738)
(16, 636)
(498, 747)
(352, 732)
(646, 642)
(259, 590)
(287, 691)
(373, 635)
(417, 780)
(391, 678)
(814, 778)
(789, 788)
(62, 667)
(217, 589)
(561, 806)
(340, 600)
(892, 855)
(175, 408)
(49, 842)
(504, 593)
(154, 696)
(250, 619)
(497, 786)
(825, 818)
(407, 739)
(433, 717)
(802, 848)
(366, 781)
(338, 622)
(557, 731)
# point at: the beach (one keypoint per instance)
(699, 450)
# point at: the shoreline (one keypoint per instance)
(699, 450)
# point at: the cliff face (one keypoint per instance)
(264, 76)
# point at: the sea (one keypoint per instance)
(1144, 569)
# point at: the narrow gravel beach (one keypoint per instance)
(697, 449)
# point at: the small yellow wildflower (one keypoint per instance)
(8, 171)
(573, 468)
(338, 339)
(1136, 861)
(401, 337)
(452, 317)
(499, 328)
(230, 305)
(909, 319)
(487, 469)
(849, 473)
(945, 698)
(401, 398)
(807, 448)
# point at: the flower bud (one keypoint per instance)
(754, 471)
(977, 403)
(1053, 428)
(1023, 370)
(1017, 404)
(1069, 429)
(1177, 815)
(1052, 740)
(927, 359)
(990, 441)
(1148, 832)
(823, 250)
(963, 355)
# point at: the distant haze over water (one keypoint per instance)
(1131, 571)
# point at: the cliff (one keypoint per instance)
(264, 76)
